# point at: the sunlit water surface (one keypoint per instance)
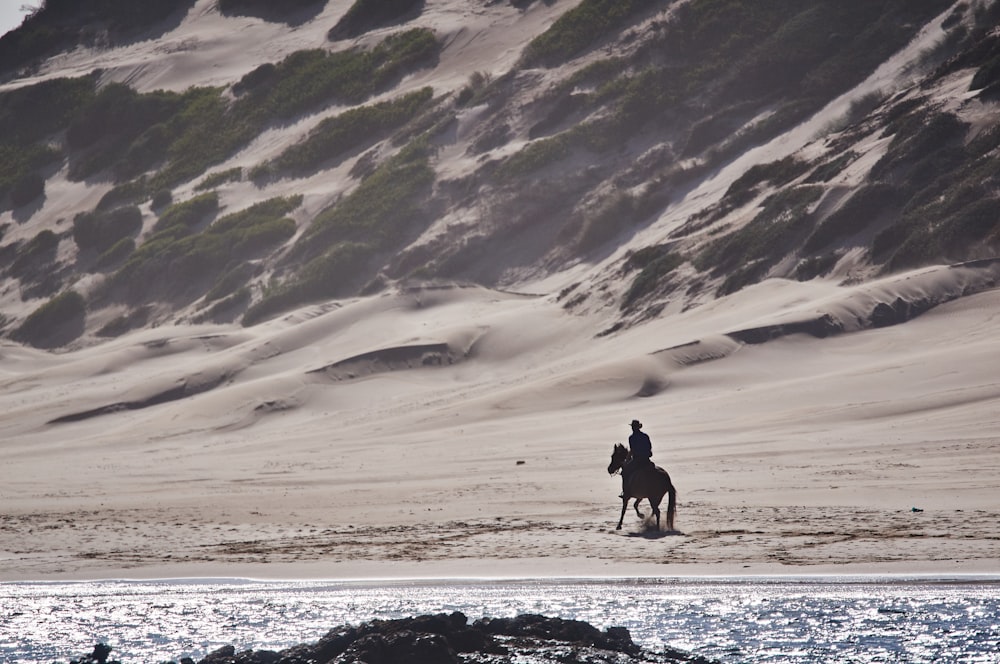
(731, 620)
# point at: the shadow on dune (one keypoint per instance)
(393, 359)
(186, 388)
(365, 16)
(292, 13)
(897, 303)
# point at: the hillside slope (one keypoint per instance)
(666, 153)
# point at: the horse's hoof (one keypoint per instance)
(618, 527)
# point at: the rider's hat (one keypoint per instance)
(636, 423)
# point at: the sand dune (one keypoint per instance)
(328, 444)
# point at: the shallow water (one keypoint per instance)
(776, 619)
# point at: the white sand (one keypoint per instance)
(320, 444)
(800, 456)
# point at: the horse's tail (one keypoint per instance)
(671, 504)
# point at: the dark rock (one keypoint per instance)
(400, 646)
(257, 657)
(558, 629)
(450, 639)
(223, 655)
(98, 656)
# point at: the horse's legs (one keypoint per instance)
(636, 506)
(624, 507)
(655, 504)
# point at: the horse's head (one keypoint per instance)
(619, 455)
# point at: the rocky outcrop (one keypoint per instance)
(452, 639)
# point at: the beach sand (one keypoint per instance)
(869, 452)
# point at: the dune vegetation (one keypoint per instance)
(607, 117)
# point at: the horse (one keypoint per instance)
(651, 483)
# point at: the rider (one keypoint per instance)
(641, 448)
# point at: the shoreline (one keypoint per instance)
(791, 578)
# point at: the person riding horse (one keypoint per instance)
(641, 479)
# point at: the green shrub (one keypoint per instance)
(953, 214)
(227, 308)
(120, 112)
(190, 213)
(969, 226)
(742, 277)
(122, 130)
(333, 274)
(257, 228)
(739, 60)
(116, 254)
(18, 162)
(230, 282)
(161, 199)
(765, 239)
(183, 133)
(35, 256)
(832, 168)
(777, 173)
(33, 113)
(204, 132)
(602, 73)
(815, 266)
(206, 129)
(870, 204)
(177, 263)
(213, 180)
(147, 151)
(578, 29)
(26, 189)
(101, 229)
(352, 130)
(122, 324)
(132, 192)
(343, 239)
(655, 265)
(381, 207)
(55, 323)
(59, 26)
(129, 134)
(919, 142)
(262, 212)
(478, 82)
(957, 226)
(263, 75)
(307, 79)
(613, 217)
(536, 156)
(986, 75)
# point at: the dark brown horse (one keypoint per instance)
(650, 482)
